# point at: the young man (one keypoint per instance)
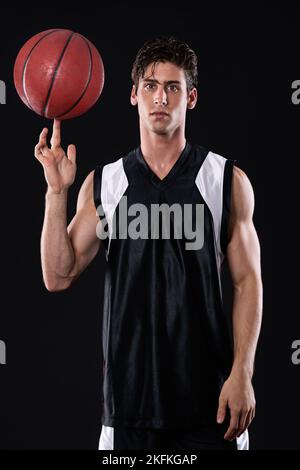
(171, 378)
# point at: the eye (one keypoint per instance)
(173, 88)
(149, 86)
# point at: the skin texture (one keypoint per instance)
(67, 250)
(243, 254)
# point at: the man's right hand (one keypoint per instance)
(59, 168)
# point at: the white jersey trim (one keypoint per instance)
(209, 181)
(113, 186)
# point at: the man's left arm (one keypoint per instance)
(243, 254)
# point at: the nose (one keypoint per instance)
(160, 97)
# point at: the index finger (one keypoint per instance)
(56, 137)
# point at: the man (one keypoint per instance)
(171, 378)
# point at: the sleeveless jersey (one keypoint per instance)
(166, 341)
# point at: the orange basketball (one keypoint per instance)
(59, 74)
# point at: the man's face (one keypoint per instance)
(162, 98)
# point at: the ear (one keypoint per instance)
(192, 98)
(133, 97)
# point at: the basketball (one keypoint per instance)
(59, 74)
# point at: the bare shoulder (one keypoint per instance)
(86, 192)
(242, 197)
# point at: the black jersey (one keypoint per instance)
(166, 343)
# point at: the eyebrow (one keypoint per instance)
(166, 82)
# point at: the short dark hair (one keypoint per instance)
(166, 49)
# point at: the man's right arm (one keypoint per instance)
(65, 250)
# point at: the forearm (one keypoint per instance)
(57, 254)
(247, 314)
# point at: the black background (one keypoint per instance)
(50, 388)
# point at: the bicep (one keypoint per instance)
(82, 229)
(243, 250)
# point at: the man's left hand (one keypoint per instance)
(237, 393)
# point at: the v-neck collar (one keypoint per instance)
(174, 169)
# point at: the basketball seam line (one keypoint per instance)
(88, 82)
(55, 72)
(26, 63)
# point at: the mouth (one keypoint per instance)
(159, 114)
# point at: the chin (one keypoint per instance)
(160, 131)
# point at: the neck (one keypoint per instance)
(161, 150)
